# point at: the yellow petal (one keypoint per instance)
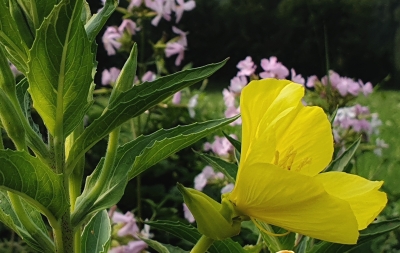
(262, 102)
(362, 194)
(295, 202)
(308, 137)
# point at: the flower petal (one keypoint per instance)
(295, 202)
(362, 195)
(309, 137)
(261, 103)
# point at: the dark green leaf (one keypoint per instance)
(235, 143)
(96, 237)
(135, 101)
(97, 21)
(227, 168)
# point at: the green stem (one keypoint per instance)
(80, 210)
(43, 240)
(202, 245)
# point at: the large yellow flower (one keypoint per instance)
(284, 147)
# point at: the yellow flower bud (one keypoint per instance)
(214, 220)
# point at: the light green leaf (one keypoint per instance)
(135, 101)
(60, 69)
(228, 169)
(340, 163)
(96, 237)
(28, 177)
(11, 39)
(97, 21)
(36, 10)
(371, 232)
(10, 219)
(157, 246)
(190, 234)
(135, 157)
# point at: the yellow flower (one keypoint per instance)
(284, 146)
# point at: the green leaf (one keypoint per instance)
(11, 39)
(373, 231)
(137, 156)
(10, 219)
(28, 177)
(60, 69)
(235, 143)
(97, 21)
(161, 248)
(228, 169)
(96, 237)
(190, 234)
(340, 163)
(135, 101)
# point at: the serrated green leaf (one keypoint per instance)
(24, 24)
(36, 10)
(97, 21)
(10, 219)
(60, 69)
(371, 232)
(136, 156)
(228, 169)
(28, 177)
(190, 234)
(96, 237)
(11, 39)
(340, 163)
(157, 246)
(135, 101)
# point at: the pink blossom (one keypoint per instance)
(297, 78)
(109, 76)
(246, 67)
(14, 70)
(183, 6)
(149, 76)
(366, 88)
(134, 3)
(129, 221)
(182, 36)
(176, 99)
(175, 48)
(208, 173)
(132, 247)
(159, 8)
(227, 188)
(221, 146)
(229, 98)
(110, 40)
(237, 84)
(311, 81)
(192, 104)
(187, 214)
(129, 26)
(231, 112)
(273, 68)
(334, 79)
(380, 144)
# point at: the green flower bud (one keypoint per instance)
(214, 220)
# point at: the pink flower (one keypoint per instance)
(229, 98)
(176, 99)
(110, 40)
(182, 6)
(187, 214)
(273, 68)
(192, 104)
(109, 76)
(175, 48)
(134, 3)
(221, 146)
(149, 76)
(129, 26)
(132, 247)
(334, 79)
(14, 70)
(159, 8)
(227, 188)
(311, 81)
(237, 84)
(182, 36)
(297, 78)
(231, 112)
(201, 180)
(129, 221)
(366, 88)
(246, 67)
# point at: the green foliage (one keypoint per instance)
(96, 236)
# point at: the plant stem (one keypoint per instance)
(202, 245)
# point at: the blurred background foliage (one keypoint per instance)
(362, 36)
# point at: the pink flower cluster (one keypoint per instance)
(129, 229)
(221, 146)
(345, 86)
(351, 122)
(164, 8)
(109, 77)
(177, 46)
(112, 35)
